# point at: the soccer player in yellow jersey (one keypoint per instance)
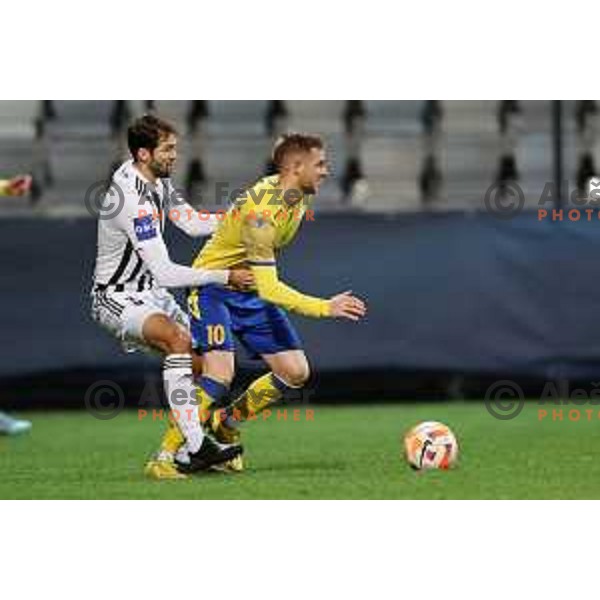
(265, 219)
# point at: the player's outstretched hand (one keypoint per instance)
(347, 306)
(19, 185)
(242, 279)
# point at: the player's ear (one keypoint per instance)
(143, 155)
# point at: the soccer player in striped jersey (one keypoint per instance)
(132, 274)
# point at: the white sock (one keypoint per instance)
(183, 455)
(181, 394)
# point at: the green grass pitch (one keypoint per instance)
(346, 452)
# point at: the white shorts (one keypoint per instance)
(123, 313)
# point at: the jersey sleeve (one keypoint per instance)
(145, 235)
(189, 221)
(258, 237)
(184, 216)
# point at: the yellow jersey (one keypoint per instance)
(261, 221)
(5, 187)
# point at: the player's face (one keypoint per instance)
(314, 169)
(162, 160)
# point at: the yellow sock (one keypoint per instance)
(205, 402)
(172, 439)
(260, 393)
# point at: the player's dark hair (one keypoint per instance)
(290, 143)
(147, 132)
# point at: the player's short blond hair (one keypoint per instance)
(290, 143)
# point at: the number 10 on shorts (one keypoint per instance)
(215, 334)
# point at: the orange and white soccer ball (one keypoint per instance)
(431, 445)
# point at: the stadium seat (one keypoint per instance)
(470, 165)
(534, 155)
(390, 118)
(470, 117)
(16, 157)
(391, 167)
(476, 145)
(324, 117)
(537, 116)
(80, 119)
(174, 111)
(235, 160)
(18, 119)
(395, 158)
(402, 162)
(236, 118)
(78, 164)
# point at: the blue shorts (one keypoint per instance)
(217, 314)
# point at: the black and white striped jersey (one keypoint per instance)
(118, 262)
(131, 253)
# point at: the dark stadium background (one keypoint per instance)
(459, 295)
